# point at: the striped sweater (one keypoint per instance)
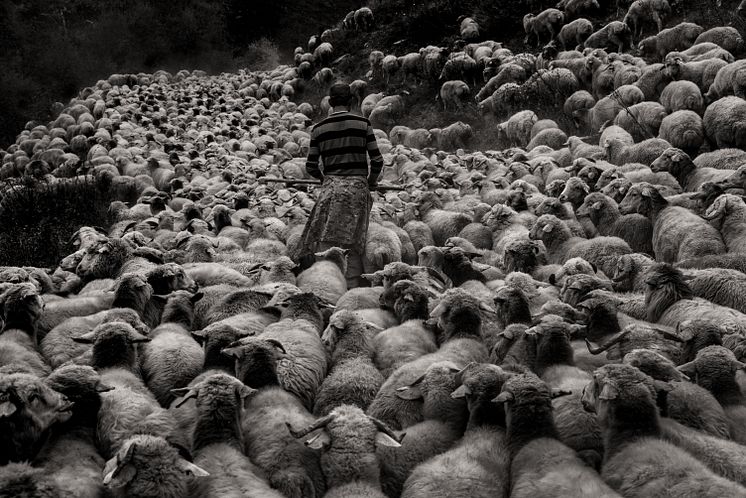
(342, 141)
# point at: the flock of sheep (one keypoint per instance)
(564, 317)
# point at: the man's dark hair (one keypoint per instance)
(340, 94)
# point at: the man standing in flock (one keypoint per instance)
(340, 217)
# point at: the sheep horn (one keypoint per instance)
(668, 335)
(600, 349)
(318, 424)
(386, 429)
(129, 226)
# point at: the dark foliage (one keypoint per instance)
(37, 218)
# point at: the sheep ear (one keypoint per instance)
(483, 306)
(319, 441)
(278, 345)
(136, 338)
(124, 473)
(7, 409)
(608, 392)
(548, 228)
(383, 439)
(738, 365)
(199, 336)
(552, 279)
(438, 310)
(503, 397)
(190, 469)
(103, 388)
(185, 393)
(196, 297)
(461, 392)
(88, 338)
(234, 352)
(597, 205)
(245, 393)
(558, 393)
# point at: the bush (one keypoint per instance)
(38, 218)
(261, 55)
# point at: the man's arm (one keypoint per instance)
(376, 159)
(312, 162)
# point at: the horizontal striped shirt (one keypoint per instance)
(342, 141)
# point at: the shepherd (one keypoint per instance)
(342, 142)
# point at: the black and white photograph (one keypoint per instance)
(372, 249)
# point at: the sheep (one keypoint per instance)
(633, 448)
(443, 425)
(670, 300)
(79, 476)
(680, 37)
(460, 66)
(148, 465)
(29, 408)
(364, 19)
(683, 130)
(460, 320)
(687, 173)
(727, 37)
(635, 229)
(677, 232)
(348, 440)
(527, 396)
(728, 214)
(519, 128)
(616, 34)
(703, 73)
(733, 261)
(644, 152)
(110, 258)
(453, 94)
(721, 159)
(646, 11)
(601, 251)
(478, 465)
(641, 120)
(130, 408)
(574, 7)
(682, 95)
(382, 246)
(686, 403)
(729, 80)
(724, 123)
(219, 399)
(58, 346)
(21, 308)
(714, 369)
(442, 223)
(172, 358)
(454, 136)
(409, 340)
(326, 277)
(290, 468)
(353, 379)
(549, 22)
(469, 29)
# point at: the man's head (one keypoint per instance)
(340, 95)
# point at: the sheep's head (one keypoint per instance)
(553, 206)
(26, 397)
(216, 392)
(479, 384)
(625, 272)
(672, 160)
(574, 192)
(170, 277)
(345, 323)
(526, 393)
(20, 306)
(712, 365)
(348, 426)
(256, 359)
(722, 206)
(458, 313)
(146, 465)
(550, 230)
(82, 385)
(665, 286)
(336, 255)
(512, 305)
(619, 386)
(594, 205)
(430, 257)
(103, 259)
(653, 364)
(576, 287)
(642, 198)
